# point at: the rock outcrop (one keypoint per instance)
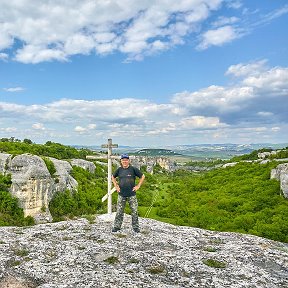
(63, 179)
(83, 254)
(89, 166)
(33, 185)
(281, 174)
(164, 162)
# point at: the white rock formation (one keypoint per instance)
(89, 166)
(33, 185)
(281, 174)
(63, 179)
(80, 254)
(150, 162)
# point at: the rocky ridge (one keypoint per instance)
(79, 253)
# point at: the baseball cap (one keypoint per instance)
(124, 156)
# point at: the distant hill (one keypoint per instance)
(198, 151)
(222, 151)
(156, 152)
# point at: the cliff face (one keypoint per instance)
(281, 174)
(33, 185)
(82, 254)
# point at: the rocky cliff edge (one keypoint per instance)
(83, 254)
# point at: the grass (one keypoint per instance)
(112, 260)
(134, 260)
(21, 252)
(156, 269)
(214, 263)
(210, 249)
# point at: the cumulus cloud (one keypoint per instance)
(256, 102)
(250, 69)
(258, 95)
(83, 130)
(218, 37)
(273, 81)
(136, 28)
(220, 99)
(54, 31)
(201, 122)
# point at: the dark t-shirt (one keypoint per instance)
(127, 178)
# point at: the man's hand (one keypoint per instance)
(135, 188)
(117, 188)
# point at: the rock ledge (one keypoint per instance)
(82, 254)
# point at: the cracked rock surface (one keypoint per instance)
(78, 253)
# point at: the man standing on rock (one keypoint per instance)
(126, 189)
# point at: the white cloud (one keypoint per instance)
(201, 122)
(265, 114)
(250, 69)
(14, 89)
(236, 4)
(80, 129)
(38, 126)
(4, 56)
(275, 14)
(222, 21)
(275, 129)
(8, 129)
(83, 130)
(217, 97)
(274, 80)
(218, 37)
(233, 113)
(35, 54)
(54, 31)
(92, 126)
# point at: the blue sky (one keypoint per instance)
(144, 73)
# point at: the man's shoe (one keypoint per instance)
(115, 229)
(136, 230)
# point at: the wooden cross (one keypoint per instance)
(109, 146)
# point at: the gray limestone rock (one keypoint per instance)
(150, 162)
(87, 165)
(4, 160)
(63, 179)
(80, 254)
(33, 185)
(281, 174)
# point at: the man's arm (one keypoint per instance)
(141, 180)
(115, 184)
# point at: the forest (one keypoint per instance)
(241, 198)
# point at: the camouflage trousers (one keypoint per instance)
(121, 203)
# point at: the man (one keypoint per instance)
(126, 189)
